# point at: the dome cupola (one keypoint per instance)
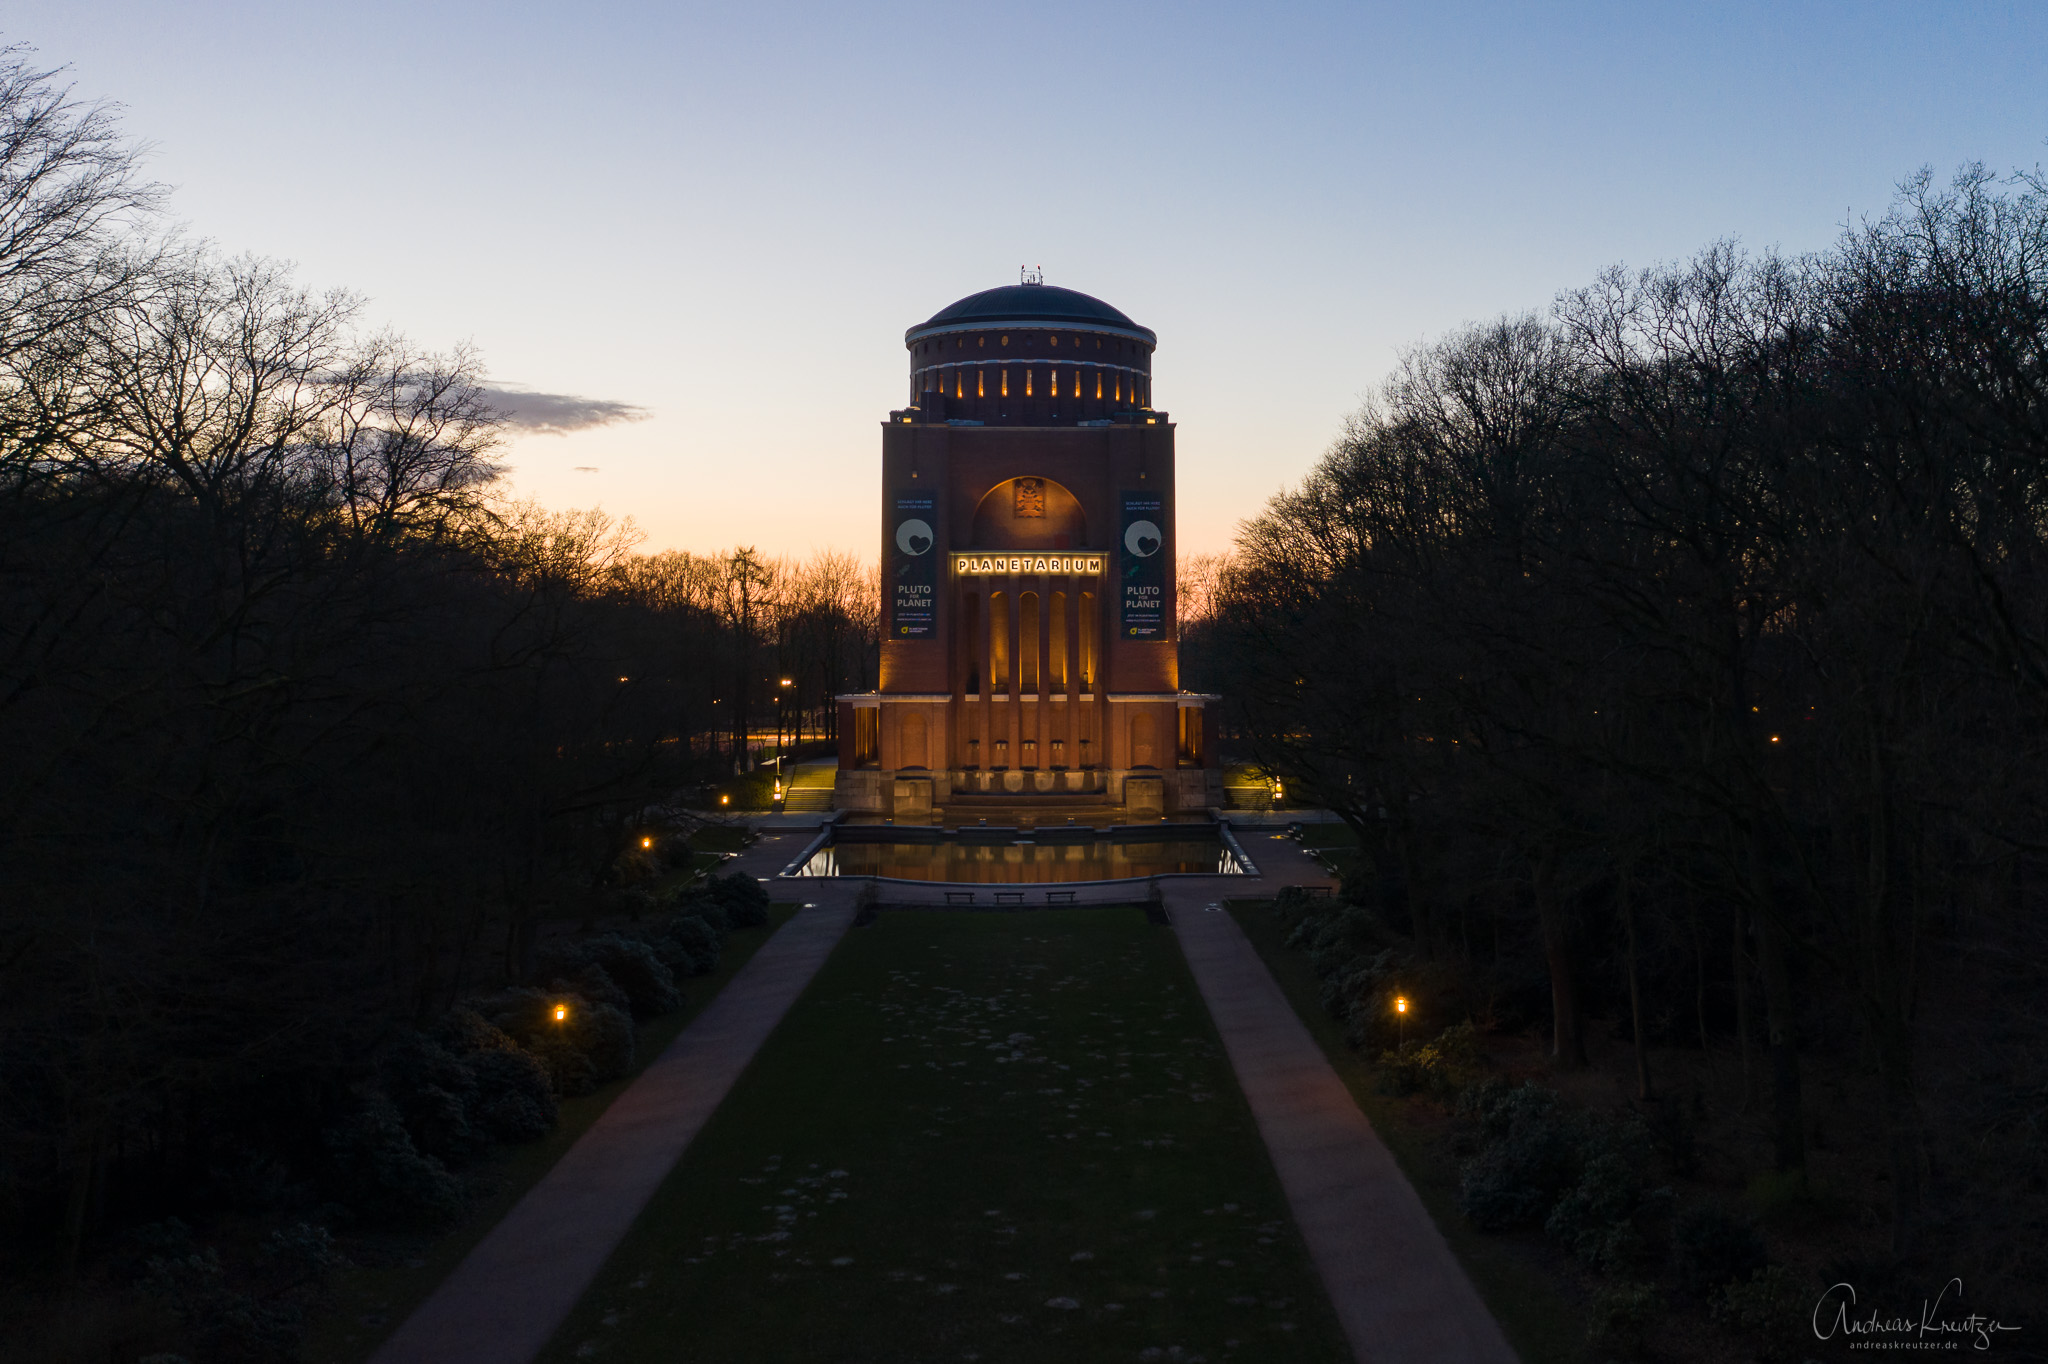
(1030, 354)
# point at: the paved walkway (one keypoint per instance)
(1397, 1288)
(507, 1298)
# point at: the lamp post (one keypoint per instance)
(780, 710)
(1401, 1022)
(561, 1013)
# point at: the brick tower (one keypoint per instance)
(1029, 648)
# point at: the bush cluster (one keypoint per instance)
(493, 1069)
(1585, 1179)
(1444, 1066)
(1582, 1177)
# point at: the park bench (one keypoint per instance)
(1009, 897)
(959, 897)
(1060, 897)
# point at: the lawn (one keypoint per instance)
(1513, 1276)
(400, 1269)
(976, 1137)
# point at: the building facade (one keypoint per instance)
(1029, 648)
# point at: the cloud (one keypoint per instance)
(557, 414)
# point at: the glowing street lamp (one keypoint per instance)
(561, 1013)
(646, 842)
(725, 800)
(1401, 1020)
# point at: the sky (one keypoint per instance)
(695, 234)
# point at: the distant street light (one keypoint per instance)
(646, 842)
(1401, 1021)
(561, 1013)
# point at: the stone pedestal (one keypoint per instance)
(913, 798)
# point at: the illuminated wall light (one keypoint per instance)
(1055, 376)
(1098, 385)
(1006, 383)
(980, 384)
(1027, 381)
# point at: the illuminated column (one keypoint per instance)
(1074, 674)
(1041, 724)
(1014, 623)
(957, 732)
(983, 647)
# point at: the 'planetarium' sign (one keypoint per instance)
(1025, 563)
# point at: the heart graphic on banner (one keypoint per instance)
(1143, 539)
(914, 537)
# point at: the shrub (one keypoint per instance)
(1768, 1306)
(1443, 1066)
(1530, 1158)
(592, 1045)
(380, 1170)
(702, 906)
(1335, 938)
(1355, 986)
(1710, 1249)
(228, 1326)
(1674, 1125)
(647, 984)
(233, 1326)
(741, 897)
(432, 1090)
(1619, 1318)
(514, 1101)
(1595, 1219)
(687, 945)
(464, 1031)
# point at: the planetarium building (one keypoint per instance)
(1029, 652)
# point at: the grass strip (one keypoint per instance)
(402, 1268)
(994, 1137)
(1543, 1327)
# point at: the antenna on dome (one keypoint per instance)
(1032, 274)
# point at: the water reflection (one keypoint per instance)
(1101, 860)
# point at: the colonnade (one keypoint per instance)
(1029, 638)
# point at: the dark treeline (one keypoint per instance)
(306, 727)
(1681, 658)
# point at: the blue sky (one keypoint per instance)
(727, 215)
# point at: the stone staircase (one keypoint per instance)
(810, 789)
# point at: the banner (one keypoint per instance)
(913, 566)
(1143, 610)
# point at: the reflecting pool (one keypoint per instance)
(1024, 859)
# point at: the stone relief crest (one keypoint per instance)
(1031, 497)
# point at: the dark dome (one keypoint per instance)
(1026, 305)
